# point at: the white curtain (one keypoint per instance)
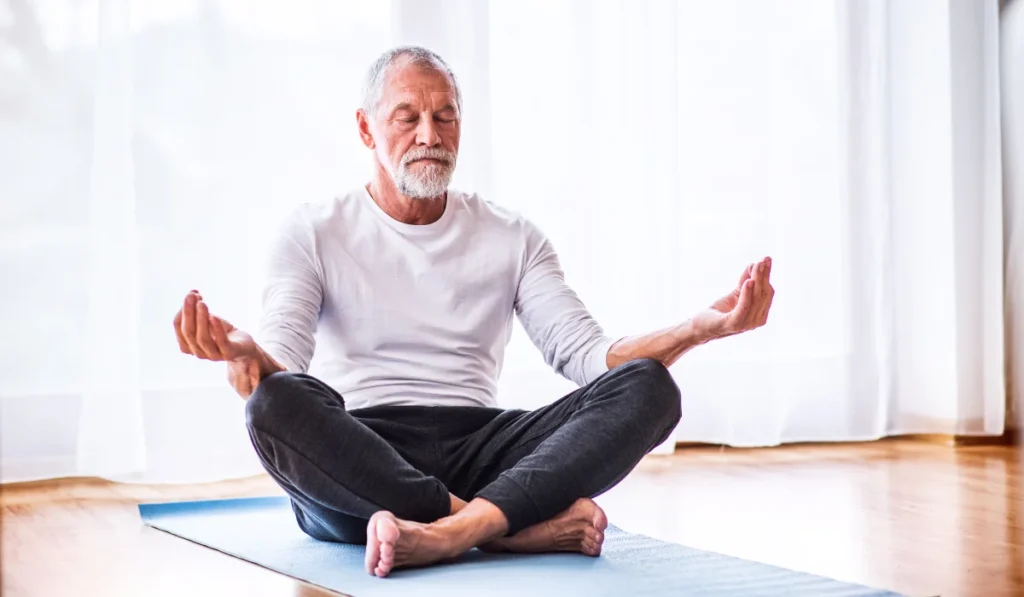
(1012, 94)
(149, 147)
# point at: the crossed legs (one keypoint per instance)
(520, 480)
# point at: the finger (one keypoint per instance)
(182, 345)
(744, 307)
(767, 292)
(758, 271)
(762, 294)
(203, 336)
(746, 275)
(764, 307)
(755, 279)
(220, 337)
(188, 324)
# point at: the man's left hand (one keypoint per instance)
(743, 309)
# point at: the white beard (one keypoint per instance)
(427, 181)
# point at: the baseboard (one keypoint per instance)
(1011, 437)
(957, 440)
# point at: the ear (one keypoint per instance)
(363, 123)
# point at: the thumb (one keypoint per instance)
(225, 324)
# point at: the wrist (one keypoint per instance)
(267, 364)
(246, 372)
(244, 362)
(699, 332)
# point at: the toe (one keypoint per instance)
(384, 567)
(372, 548)
(600, 519)
(387, 528)
(381, 535)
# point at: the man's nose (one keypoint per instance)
(426, 132)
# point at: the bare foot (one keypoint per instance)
(394, 543)
(580, 529)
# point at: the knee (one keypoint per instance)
(658, 389)
(274, 400)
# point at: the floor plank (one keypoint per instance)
(917, 518)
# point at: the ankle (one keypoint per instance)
(449, 541)
(491, 520)
(476, 523)
(457, 504)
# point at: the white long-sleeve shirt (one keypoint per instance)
(403, 314)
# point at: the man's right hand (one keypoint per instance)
(209, 337)
(214, 339)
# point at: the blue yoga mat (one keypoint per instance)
(263, 531)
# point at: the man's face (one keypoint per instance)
(416, 130)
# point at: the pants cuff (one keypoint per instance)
(518, 507)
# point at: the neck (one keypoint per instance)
(402, 208)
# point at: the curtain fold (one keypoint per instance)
(942, 67)
(1012, 109)
(150, 147)
(110, 438)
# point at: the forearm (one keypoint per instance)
(246, 373)
(665, 345)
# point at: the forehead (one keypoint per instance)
(415, 84)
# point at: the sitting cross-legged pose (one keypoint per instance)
(406, 290)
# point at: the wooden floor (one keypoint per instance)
(916, 518)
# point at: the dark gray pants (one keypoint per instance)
(339, 466)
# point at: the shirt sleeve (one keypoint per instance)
(555, 318)
(292, 295)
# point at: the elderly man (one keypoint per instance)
(407, 288)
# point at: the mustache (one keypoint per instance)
(422, 153)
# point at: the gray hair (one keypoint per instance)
(373, 86)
